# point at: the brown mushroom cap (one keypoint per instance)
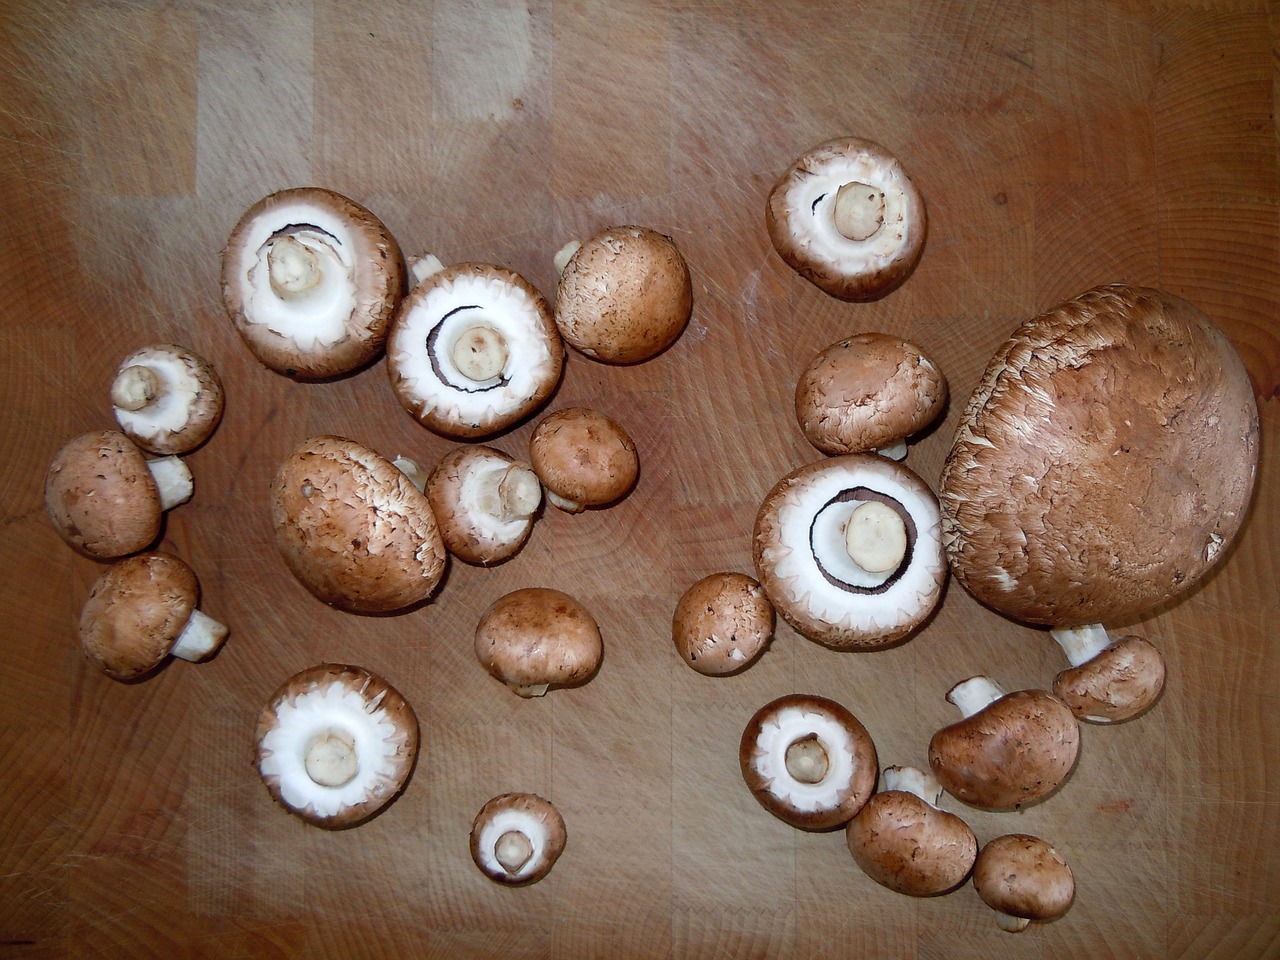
(353, 529)
(867, 392)
(624, 296)
(1104, 463)
(342, 324)
(848, 219)
(167, 399)
(1118, 684)
(722, 623)
(484, 501)
(1024, 877)
(516, 838)
(536, 637)
(583, 458)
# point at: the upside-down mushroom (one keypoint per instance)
(516, 838)
(722, 623)
(166, 399)
(484, 501)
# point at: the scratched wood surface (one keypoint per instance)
(1058, 145)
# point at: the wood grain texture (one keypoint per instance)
(1058, 145)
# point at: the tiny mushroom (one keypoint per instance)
(583, 458)
(722, 624)
(535, 638)
(484, 501)
(1010, 750)
(848, 219)
(1109, 681)
(166, 399)
(106, 499)
(869, 392)
(1023, 878)
(808, 761)
(516, 838)
(473, 349)
(848, 551)
(141, 611)
(354, 529)
(310, 279)
(903, 841)
(335, 744)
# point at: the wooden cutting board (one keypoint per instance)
(1058, 146)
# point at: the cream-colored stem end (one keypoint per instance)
(974, 694)
(173, 480)
(1081, 644)
(410, 468)
(480, 353)
(331, 759)
(914, 781)
(859, 210)
(293, 267)
(564, 503)
(512, 850)
(530, 690)
(424, 266)
(1011, 924)
(876, 537)
(134, 387)
(565, 254)
(807, 760)
(519, 492)
(894, 451)
(200, 638)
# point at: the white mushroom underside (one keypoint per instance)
(479, 498)
(507, 820)
(177, 390)
(770, 761)
(334, 707)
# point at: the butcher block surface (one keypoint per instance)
(1058, 145)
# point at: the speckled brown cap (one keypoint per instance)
(1024, 878)
(535, 638)
(584, 458)
(722, 623)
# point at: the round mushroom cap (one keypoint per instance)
(473, 349)
(135, 613)
(848, 219)
(485, 503)
(536, 637)
(516, 838)
(808, 761)
(804, 564)
(353, 529)
(722, 624)
(310, 279)
(867, 392)
(583, 458)
(1104, 463)
(100, 496)
(1023, 876)
(1120, 683)
(335, 744)
(167, 399)
(624, 296)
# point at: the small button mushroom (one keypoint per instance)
(535, 638)
(1010, 750)
(1023, 878)
(336, 744)
(166, 399)
(902, 841)
(624, 296)
(1109, 681)
(354, 529)
(808, 761)
(141, 611)
(516, 838)
(473, 349)
(722, 624)
(106, 499)
(583, 458)
(848, 219)
(848, 551)
(485, 503)
(868, 392)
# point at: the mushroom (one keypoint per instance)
(141, 611)
(473, 349)
(485, 503)
(106, 499)
(166, 399)
(516, 838)
(583, 458)
(353, 528)
(1023, 878)
(848, 551)
(1010, 750)
(624, 296)
(1109, 681)
(902, 841)
(722, 624)
(336, 744)
(808, 760)
(869, 392)
(535, 638)
(848, 219)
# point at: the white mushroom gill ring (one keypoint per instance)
(810, 195)
(778, 732)
(875, 583)
(433, 351)
(503, 821)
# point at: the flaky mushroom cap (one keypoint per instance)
(516, 838)
(1105, 462)
(848, 219)
(1119, 682)
(624, 296)
(1023, 878)
(353, 529)
(535, 638)
(803, 563)
(335, 744)
(310, 279)
(484, 501)
(808, 761)
(166, 398)
(722, 623)
(473, 349)
(583, 458)
(867, 392)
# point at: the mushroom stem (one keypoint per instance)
(293, 267)
(480, 353)
(410, 468)
(974, 695)
(894, 451)
(876, 537)
(859, 210)
(427, 265)
(1011, 924)
(331, 759)
(564, 503)
(510, 492)
(529, 690)
(512, 850)
(173, 480)
(135, 387)
(914, 781)
(807, 760)
(200, 638)
(1082, 644)
(565, 254)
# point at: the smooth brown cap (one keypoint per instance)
(1023, 876)
(722, 623)
(1120, 683)
(101, 497)
(902, 842)
(583, 457)
(518, 808)
(536, 636)
(203, 411)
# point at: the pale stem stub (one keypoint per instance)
(480, 353)
(1081, 644)
(859, 210)
(876, 537)
(293, 268)
(807, 760)
(134, 387)
(331, 758)
(512, 850)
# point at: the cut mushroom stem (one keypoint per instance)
(974, 695)
(509, 493)
(173, 481)
(529, 690)
(480, 353)
(914, 781)
(293, 267)
(411, 469)
(876, 537)
(565, 254)
(331, 759)
(513, 851)
(135, 387)
(1082, 644)
(807, 760)
(859, 210)
(200, 638)
(894, 451)
(427, 265)
(1011, 924)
